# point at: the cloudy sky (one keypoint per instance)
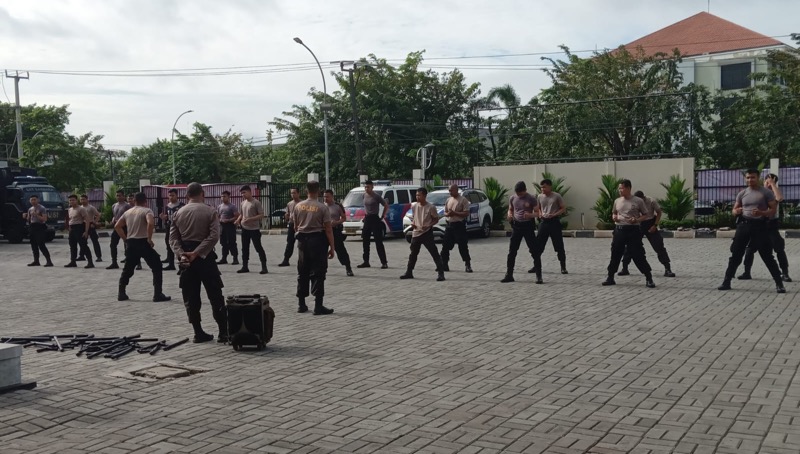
(74, 36)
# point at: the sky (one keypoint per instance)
(73, 36)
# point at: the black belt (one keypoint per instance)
(626, 227)
(189, 246)
(455, 222)
(551, 220)
(758, 221)
(301, 235)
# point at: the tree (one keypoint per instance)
(400, 109)
(68, 162)
(619, 103)
(761, 122)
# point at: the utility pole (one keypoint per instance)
(350, 71)
(18, 108)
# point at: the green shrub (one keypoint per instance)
(679, 201)
(608, 194)
(671, 224)
(111, 198)
(498, 200)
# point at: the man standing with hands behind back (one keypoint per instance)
(312, 220)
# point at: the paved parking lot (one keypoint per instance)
(466, 365)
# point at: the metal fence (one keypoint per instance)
(716, 191)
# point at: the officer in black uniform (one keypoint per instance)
(312, 223)
(774, 234)
(193, 236)
(754, 205)
(649, 228)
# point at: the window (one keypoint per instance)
(735, 76)
(474, 197)
(389, 197)
(402, 196)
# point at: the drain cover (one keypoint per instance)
(158, 371)
(163, 372)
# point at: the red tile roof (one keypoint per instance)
(700, 34)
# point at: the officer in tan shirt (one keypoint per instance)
(423, 218)
(628, 213)
(193, 236)
(456, 210)
(250, 216)
(78, 226)
(95, 216)
(287, 254)
(140, 224)
(312, 221)
(337, 220)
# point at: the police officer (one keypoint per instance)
(649, 229)
(117, 211)
(337, 225)
(456, 211)
(167, 216)
(312, 220)
(95, 215)
(78, 226)
(423, 218)
(37, 219)
(551, 206)
(628, 213)
(754, 205)
(287, 254)
(249, 218)
(522, 209)
(194, 233)
(373, 224)
(228, 213)
(131, 202)
(774, 234)
(140, 224)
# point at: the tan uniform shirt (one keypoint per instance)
(310, 216)
(290, 208)
(425, 217)
(78, 215)
(652, 207)
(549, 204)
(93, 213)
(34, 212)
(136, 220)
(626, 209)
(457, 203)
(249, 209)
(336, 210)
(195, 222)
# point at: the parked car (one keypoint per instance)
(480, 213)
(398, 197)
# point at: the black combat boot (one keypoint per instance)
(408, 275)
(319, 309)
(649, 281)
(263, 268)
(235, 260)
(349, 271)
(121, 295)
(668, 271)
(467, 267)
(113, 266)
(301, 306)
(509, 277)
(539, 278)
(564, 268)
(34, 263)
(609, 280)
(624, 271)
(244, 268)
(726, 284)
(445, 265)
(440, 277)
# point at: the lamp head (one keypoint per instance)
(298, 41)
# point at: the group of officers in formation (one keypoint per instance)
(194, 229)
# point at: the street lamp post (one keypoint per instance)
(324, 112)
(172, 142)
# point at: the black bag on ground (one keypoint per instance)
(250, 320)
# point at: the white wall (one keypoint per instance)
(583, 178)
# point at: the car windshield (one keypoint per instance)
(356, 198)
(46, 195)
(438, 198)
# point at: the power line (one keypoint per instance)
(293, 67)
